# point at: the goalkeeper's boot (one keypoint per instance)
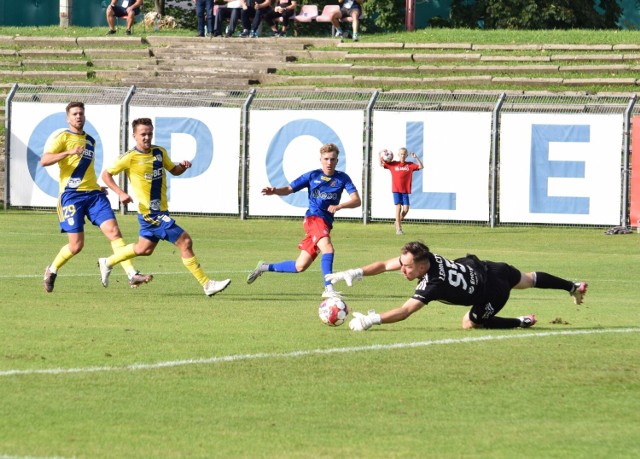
(49, 279)
(212, 287)
(105, 271)
(527, 321)
(329, 292)
(579, 291)
(138, 279)
(260, 268)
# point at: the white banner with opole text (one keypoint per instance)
(286, 144)
(455, 149)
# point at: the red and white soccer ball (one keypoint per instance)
(386, 155)
(333, 312)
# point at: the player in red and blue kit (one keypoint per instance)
(325, 187)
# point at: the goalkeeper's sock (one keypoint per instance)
(288, 266)
(326, 263)
(501, 322)
(544, 280)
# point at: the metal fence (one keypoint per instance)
(366, 101)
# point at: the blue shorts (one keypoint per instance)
(74, 206)
(159, 227)
(401, 198)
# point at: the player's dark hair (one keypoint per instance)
(141, 121)
(419, 250)
(71, 105)
(329, 147)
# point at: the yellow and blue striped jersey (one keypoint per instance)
(76, 172)
(147, 176)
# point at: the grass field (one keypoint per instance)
(164, 371)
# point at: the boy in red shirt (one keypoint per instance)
(401, 175)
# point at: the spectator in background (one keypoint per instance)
(255, 9)
(401, 175)
(232, 10)
(127, 9)
(348, 8)
(285, 9)
(204, 12)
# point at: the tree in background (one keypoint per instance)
(159, 6)
(535, 15)
(382, 15)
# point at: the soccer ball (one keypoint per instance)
(333, 312)
(386, 155)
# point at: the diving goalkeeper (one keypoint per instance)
(468, 281)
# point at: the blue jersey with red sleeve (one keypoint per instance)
(324, 191)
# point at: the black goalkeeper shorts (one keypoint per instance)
(501, 278)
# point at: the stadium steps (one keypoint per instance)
(171, 61)
(307, 63)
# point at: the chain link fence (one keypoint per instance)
(364, 102)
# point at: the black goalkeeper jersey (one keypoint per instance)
(460, 282)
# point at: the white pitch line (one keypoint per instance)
(96, 273)
(285, 355)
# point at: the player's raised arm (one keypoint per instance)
(180, 168)
(281, 191)
(49, 158)
(414, 156)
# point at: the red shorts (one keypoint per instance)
(315, 229)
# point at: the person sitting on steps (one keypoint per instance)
(285, 9)
(348, 8)
(128, 9)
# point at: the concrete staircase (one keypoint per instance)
(165, 61)
(226, 63)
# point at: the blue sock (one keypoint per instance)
(288, 266)
(326, 262)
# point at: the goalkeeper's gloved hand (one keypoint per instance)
(348, 276)
(360, 322)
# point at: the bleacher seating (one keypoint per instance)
(327, 14)
(307, 13)
(166, 61)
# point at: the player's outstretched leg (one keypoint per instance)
(212, 287)
(527, 321)
(105, 271)
(49, 279)
(260, 268)
(329, 292)
(579, 291)
(138, 279)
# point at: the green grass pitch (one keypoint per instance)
(164, 371)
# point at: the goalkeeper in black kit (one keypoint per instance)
(468, 281)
